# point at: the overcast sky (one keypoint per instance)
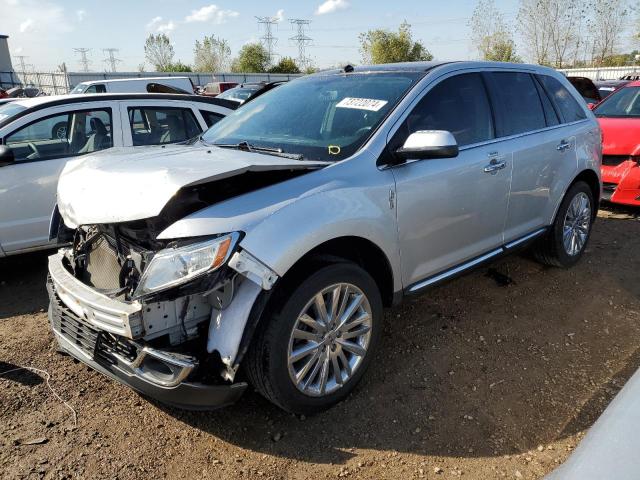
(46, 31)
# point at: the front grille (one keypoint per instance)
(71, 327)
(110, 345)
(95, 343)
(614, 160)
(609, 186)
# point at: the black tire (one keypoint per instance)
(57, 128)
(266, 361)
(550, 249)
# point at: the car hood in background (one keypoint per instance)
(124, 184)
(620, 136)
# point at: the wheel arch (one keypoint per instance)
(592, 179)
(359, 250)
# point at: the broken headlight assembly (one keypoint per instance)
(175, 266)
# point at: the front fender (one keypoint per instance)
(284, 237)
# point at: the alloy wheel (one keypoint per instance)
(577, 223)
(329, 340)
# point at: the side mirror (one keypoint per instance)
(6, 156)
(426, 144)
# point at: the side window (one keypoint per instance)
(159, 125)
(516, 97)
(211, 118)
(550, 113)
(441, 109)
(99, 88)
(63, 135)
(569, 108)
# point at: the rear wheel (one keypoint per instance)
(567, 238)
(319, 339)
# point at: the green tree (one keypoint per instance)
(178, 67)
(491, 35)
(253, 58)
(211, 55)
(384, 46)
(501, 50)
(285, 65)
(159, 51)
(620, 60)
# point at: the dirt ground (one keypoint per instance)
(494, 375)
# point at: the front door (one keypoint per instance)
(28, 186)
(452, 210)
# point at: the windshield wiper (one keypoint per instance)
(247, 147)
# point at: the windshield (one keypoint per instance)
(239, 93)
(322, 117)
(624, 102)
(9, 110)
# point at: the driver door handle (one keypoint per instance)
(495, 163)
(494, 166)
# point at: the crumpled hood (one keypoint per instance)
(124, 184)
(620, 136)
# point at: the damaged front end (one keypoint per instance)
(167, 318)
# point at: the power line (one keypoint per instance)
(84, 61)
(268, 40)
(111, 60)
(302, 39)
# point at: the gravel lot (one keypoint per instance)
(494, 375)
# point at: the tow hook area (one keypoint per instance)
(228, 320)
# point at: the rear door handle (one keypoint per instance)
(494, 166)
(563, 145)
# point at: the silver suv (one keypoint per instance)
(267, 249)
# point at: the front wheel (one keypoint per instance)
(567, 238)
(319, 339)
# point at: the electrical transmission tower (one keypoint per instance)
(111, 60)
(84, 61)
(268, 40)
(302, 39)
(21, 61)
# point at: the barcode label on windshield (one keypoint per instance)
(362, 103)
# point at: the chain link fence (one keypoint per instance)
(58, 83)
(51, 83)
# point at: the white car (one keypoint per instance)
(40, 135)
(137, 85)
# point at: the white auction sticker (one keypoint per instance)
(362, 103)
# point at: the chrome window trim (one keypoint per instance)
(523, 134)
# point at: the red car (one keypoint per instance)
(619, 117)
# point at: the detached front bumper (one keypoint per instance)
(162, 375)
(621, 183)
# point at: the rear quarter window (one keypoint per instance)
(568, 106)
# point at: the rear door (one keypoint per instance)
(42, 143)
(542, 149)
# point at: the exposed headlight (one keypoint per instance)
(173, 266)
